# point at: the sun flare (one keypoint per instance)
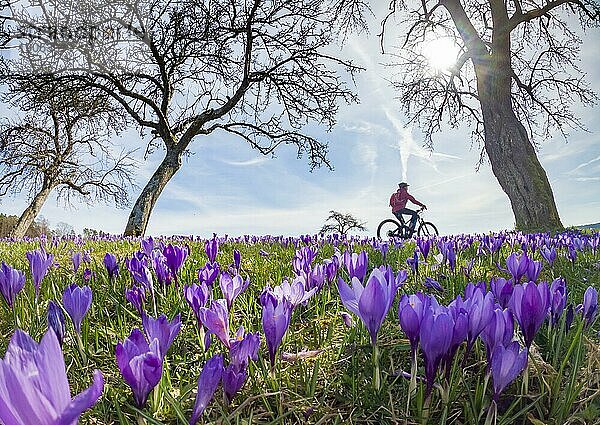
(441, 53)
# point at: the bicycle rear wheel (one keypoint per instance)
(427, 229)
(388, 229)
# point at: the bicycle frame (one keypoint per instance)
(402, 230)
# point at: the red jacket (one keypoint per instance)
(399, 199)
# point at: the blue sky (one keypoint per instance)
(225, 187)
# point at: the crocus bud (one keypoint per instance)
(56, 321)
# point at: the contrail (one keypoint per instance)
(405, 141)
(445, 181)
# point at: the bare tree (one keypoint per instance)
(62, 145)
(259, 70)
(63, 229)
(514, 83)
(341, 223)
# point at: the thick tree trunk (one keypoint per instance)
(511, 154)
(31, 212)
(140, 214)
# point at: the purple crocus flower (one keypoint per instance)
(460, 332)
(216, 319)
(432, 284)
(410, 313)
(499, 330)
(479, 309)
(233, 379)
(370, 303)
(175, 256)
(12, 282)
(558, 299)
(237, 259)
(578, 244)
(140, 364)
(136, 296)
(86, 257)
(347, 319)
(436, 334)
(232, 287)
(56, 321)
(424, 246)
(517, 267)
(276, 315)
(549, 254)
(162, 330)
(589, 308)
(212, 249)
(39, 263)
(88, 275)
(572, 254)
(209, 273)
(448, 253)
(140, 272)
(331, 269)
(147, 246)
(507, 363)
(207, 384)
(413, 262)
(468, 268)
(244, 347)
(383, 247)
(302, 261)
(295, 292)
(112, 266)
(196, 296)
(315, 279)
(76, 261)
(34, 387)
(394, 280)
(471, 288)
(529, 304)
(77, 301)
(502, 290)
(533, 270)
(161, 269)
(356, 264)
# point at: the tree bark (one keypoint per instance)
(140, 214)
(511, 154)
(28, 216)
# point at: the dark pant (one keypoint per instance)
(407, 211)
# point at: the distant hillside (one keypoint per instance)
(589, 226)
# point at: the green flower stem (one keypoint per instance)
(492, 415)
(81, 348)
(525, 387)
(15, 317)
(376, 369)
(425, 410)
(412, 387)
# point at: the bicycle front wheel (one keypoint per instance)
(427, 229)
(388, 229)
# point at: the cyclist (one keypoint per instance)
(398, 202)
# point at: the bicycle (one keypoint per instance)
(399, 229)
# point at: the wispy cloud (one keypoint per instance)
(365, 154)
(409, 147)
(250, 162)
(587, 179)
(585, 164)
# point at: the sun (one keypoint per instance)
(441, 53)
